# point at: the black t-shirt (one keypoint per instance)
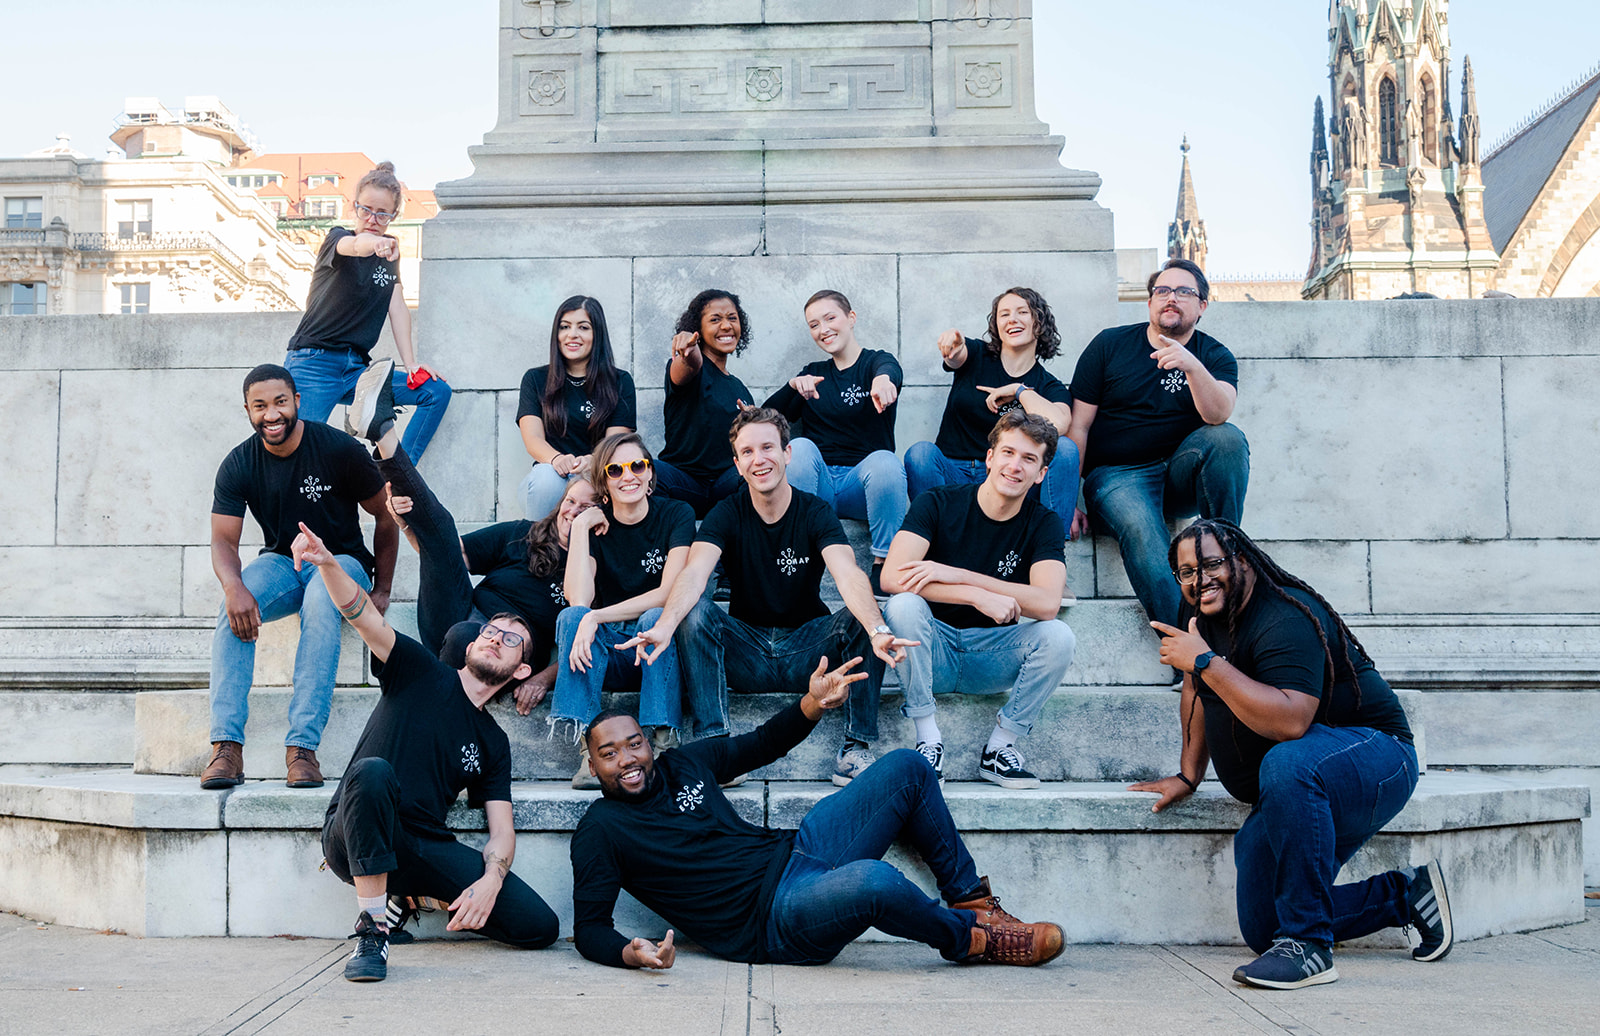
(437, 741)
(499, 553)
(961, 535)
(1145, 412)
(574, 438)
(348, 301)
(774, 571)
(320, 483)
(842, 421)
(964, 429)
(683, 852)
(628, 559)
(698, 414)
(1277, 645)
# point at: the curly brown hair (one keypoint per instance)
(1046, 339)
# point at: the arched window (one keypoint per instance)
(1388, 123)
(1430, 120)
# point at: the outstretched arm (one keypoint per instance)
(1194, 759)
(856, 591)
(1277, 713)
(244, 614)
(685, 593)
(352, 601)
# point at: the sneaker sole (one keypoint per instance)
(365, 978)
(841, 781)
(1321, 978)
(368, 386)
(1441, 897)
(1014, 783)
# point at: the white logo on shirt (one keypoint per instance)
(1174, 380)
(852, 395)
(587, 410)
(313, 488)
(557, 595)
(791, 564)
(1009, 563)
(469, 759)
(382, 277)
(653, 561)
(689, 799)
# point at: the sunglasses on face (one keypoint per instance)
(638, 467)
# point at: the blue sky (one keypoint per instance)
(414, 81)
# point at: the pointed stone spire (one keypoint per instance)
(1447, 123)
(1469, 115)
(1186, 237)
(1319, 140)
(1188, 207)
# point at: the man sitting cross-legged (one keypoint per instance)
(970, 563)
(428, 738)
(665, 832)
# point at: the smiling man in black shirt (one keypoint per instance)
(427, 740)
(665, 832)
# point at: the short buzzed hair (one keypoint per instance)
(760, 415)
(1033, 426)
(268, 372)
(604, 715)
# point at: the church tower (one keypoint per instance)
(1186, 236)
(1397, 192)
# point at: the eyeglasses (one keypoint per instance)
(508, 638)
(1183, 291)
(1210, 566)
(638, 467)
(378, 216)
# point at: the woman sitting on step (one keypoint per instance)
(696, 464)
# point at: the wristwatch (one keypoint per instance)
(880, 628)
(1201, 661)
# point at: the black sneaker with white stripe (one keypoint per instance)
(1430, 911)
(934, 753)
(1290, 964)
(1004, 767)
(371, 411)
(370, 962)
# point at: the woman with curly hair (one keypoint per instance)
(1004, 371)
(696, 464)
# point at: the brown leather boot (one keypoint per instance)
(303, 769)
(986, 905)
(1021, 944)
(226, 767)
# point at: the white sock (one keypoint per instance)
(928, 730)
(376, 906)
(1001, 738)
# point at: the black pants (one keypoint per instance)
(444, 589)
(362, 835)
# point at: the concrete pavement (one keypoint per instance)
(66, 980)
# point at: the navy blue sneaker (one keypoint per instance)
(1290, 964)
(1430, 911)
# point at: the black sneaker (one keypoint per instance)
(1005, 768)
(874, 573)
(934, 753)
(1430, 911)
(370, 962)
(371, 409)
(1290, 964)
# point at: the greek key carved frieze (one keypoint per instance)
(690, 84)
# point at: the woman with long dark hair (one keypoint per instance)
(696, 463)
(571, 403)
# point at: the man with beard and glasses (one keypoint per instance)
(665, 832)
(290, 471)
(428, 738)
(1150, 405)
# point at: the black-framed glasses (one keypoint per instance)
(1183, 291)
(507, 637)
(638, 467)
(378, 216)
(1186, 574)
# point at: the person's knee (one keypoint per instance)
(703, 620)
(1286, 767)
(882, 468)
(534, 930)
(905, 611)
(923, 455)
(906, 765)
(368, 775)
(435, 392)
(567, 622)
(1055, 639)
(1066, 453)
(1223, 442)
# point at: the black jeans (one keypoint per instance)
(362, 835)
(444, 589)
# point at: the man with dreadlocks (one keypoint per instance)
(1300, 724)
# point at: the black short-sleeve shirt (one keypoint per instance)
(697, 415)
(499, 553)
(1145, 412)
(774, 571)
(348, 301)
(320, 483)
(1276, 644)
(628, 559)
(842, 421)
(437, 741)
(961, 535)
(964, 429)
(574, 437)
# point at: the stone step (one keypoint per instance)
(1101, 733)
(157, 856)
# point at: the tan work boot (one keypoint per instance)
(1020, 944)
(583, 780)
(303, 769)
(986, 905)
(226, 767)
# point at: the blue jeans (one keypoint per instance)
(281, 591)
(1028, 659)
(676, 484)
(542, 489)
(327, 377)
(874, 490)
(1208, 472)
(577, 695)
(927, 468)
(719, 652)
(1322, 796)
(836, 884)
